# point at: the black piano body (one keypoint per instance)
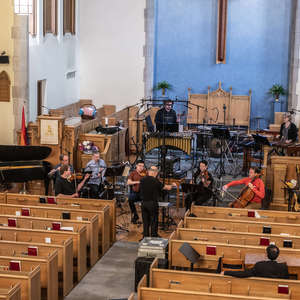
(24, 163)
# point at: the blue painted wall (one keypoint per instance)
(258, 36)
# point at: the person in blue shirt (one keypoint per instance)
(97, 168)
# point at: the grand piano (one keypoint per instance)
(24, 163)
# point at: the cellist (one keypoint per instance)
(253, 182)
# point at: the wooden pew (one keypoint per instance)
(64, 254)
(40, 236)
(45, 224)
(217, 283)
(254, 226)
(274, 216)
(177, 259)
(29, 280)
(10, 291)
(145, 293)
(75, 214)
(78, 203)
(233, 237)
(48, 268)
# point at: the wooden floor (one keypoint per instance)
(135, 231)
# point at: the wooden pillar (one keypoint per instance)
(222, 29)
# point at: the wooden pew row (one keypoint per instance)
(177, 259)
(217, 283)
(64, 255)
(28, 279)
(67, 202)
(48, 269)
(254, 226)
(46, 224)
(10, 291)
(145, 293)
(57, 213)
(40, 236)
(233, 237)
(242, 214)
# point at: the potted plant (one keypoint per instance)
(163, 85)
(277, 90)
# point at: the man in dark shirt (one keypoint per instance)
(288, 130)
(270, 269)
(66, 187)
(166, 118)
(150, 192)
(64, 160)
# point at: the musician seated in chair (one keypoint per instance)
(288, 130)
(269, 269)
(255, 184)
(134, 183)
(97, 167)
(205, 181)
(64, 160)
(65, 185)
(166, 118)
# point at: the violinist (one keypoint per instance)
(134, 183)
(64, 160)
(205, 181)
(64, 186)
(255, 184)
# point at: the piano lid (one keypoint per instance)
(21, 153)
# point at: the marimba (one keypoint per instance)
(178, 140)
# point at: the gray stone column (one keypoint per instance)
(20, 69)
(149, 47)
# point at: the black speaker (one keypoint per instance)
(4, 59)
(142, 267)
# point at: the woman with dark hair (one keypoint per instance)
(255, 183)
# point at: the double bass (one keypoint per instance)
(246, 195)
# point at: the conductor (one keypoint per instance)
(166, 119)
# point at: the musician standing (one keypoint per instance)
(134, 183)
(64, 160)
(255, 183)
(165, 116)
(97, 167)
(150, 191)
(288, 130)
(64, 186)
(205, 182)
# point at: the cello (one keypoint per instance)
(246, 195)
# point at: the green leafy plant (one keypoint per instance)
(163, 85)
(276, 91)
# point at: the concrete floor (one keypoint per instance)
(111, 278)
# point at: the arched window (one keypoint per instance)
(4, 87)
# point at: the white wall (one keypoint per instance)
(50, 58)
(111, 51)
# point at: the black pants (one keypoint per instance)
(94, 191)
(150, 218)
(198, 198)
(133, 197)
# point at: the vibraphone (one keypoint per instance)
(179, 140)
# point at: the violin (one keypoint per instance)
(75, 176)
(203, 175)
(246, 195)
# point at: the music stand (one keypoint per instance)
(190, 254)
(261, 141)
(223, 134)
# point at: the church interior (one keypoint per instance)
(149, 149)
